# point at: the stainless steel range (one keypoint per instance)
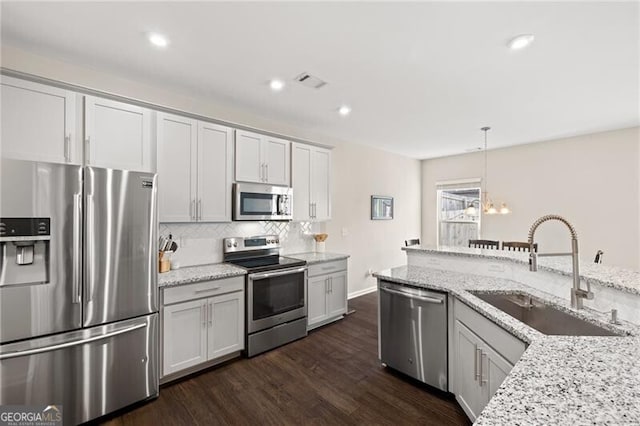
(276, 292)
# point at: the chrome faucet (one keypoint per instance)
(577, 293)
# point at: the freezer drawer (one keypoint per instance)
(90, 372)
(413, 333)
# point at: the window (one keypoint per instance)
(457, 225)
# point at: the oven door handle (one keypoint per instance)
(254, 277)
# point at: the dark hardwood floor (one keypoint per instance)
(331, 377)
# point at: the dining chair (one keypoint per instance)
(484, 244)
(518, 246)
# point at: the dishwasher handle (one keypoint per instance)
(426, 299)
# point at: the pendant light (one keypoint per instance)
(487, 205)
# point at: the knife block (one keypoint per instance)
(164, 264)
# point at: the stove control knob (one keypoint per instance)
(235, 244)
(228, 245)
(277, 240)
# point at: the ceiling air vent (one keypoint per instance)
(309, 80)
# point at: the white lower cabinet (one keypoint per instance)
(199, 331)
(326, 293)
(482, 356)
(226, 324)
(185, 335)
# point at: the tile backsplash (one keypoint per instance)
(201, 243)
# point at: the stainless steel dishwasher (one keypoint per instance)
(413, 332)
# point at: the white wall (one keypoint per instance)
(357, 172)
(592, 180)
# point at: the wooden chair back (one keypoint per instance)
(484, 244)
(518, 246)
(413, 242)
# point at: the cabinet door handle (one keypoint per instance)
(88, 150)
(266, 172)
(200, 209)
(210, 313)
(192, 207)
(483, 379)
(476, 369)
(206, 290)
(204, 315)
(67, 148)
(310, 210)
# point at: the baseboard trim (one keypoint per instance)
(362, 292)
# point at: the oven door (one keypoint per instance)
(276, 297)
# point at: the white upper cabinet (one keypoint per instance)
(277, 158)
(249, 165)
(301, 181)
(262, 159)
(194, 170)
(311, 182)
(320, 183)
(177, 157)
(118, 135)
(215, 145)
(38, 122)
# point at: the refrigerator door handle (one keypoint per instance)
(77, 247)
(84, 341)
(89, 260)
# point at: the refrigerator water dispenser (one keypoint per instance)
(24, 251)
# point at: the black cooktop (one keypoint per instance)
(267, 263)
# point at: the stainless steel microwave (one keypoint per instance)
(262, 202)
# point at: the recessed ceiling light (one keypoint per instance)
(344, 110)
(521, 41)
(276, 85)
(158, 40)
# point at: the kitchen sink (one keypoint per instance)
(544, 318)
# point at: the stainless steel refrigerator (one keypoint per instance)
(78, 288)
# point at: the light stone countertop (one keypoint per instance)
(559, 379)
(194, 274)
(315, 257)
(215, 271)
(600, 274)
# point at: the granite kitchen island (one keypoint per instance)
(558, 379)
